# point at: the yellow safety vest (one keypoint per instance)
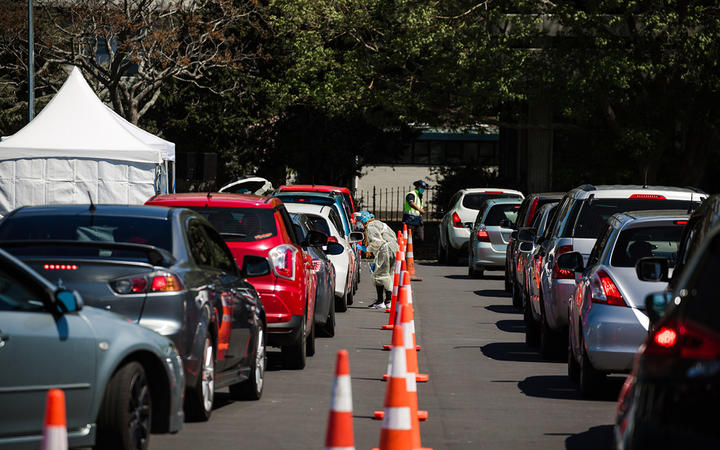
(407, 209)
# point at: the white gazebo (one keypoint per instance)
(78, 149)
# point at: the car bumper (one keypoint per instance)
(458, 237)
(284, 333)
(612, 335)
(487, 254)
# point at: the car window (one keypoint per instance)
(551, 220)
(453, 200)
(287, 221)
(701, 305)
(241, 224)
(497, 213)
(600, 244)
(199, 245)
(636, 243)
(221, 258)
(476, 200)
(537, 220)
(318, 223)
(16, 295)
(560, 216)
(335, 218)
(566, 220)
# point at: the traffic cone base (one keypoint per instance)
(419, 377)
(387, 347)
(415, 278)
(421, 415)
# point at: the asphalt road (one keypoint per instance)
(487, 389)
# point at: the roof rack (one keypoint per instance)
(587, 187)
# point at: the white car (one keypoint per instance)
(249, 184)
(326, 219)
(454, 233)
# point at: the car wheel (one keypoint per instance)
(310, 344)
(294, 356)
(350, 297)
(328, 330)
(591, 379)
(517, 300)
(252, 389)
(341, 304)
(199, 399)
(508, 286)
(573, 366)
(532, 328)
(442, 257)
(124, 421)
(548, 339)
(451, 255)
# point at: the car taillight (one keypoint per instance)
(457, 223)
(482, 234)
(317, 265)
(282, 260)
(157, 282)
(686, 340)
(332, 239)
(530, 216)
(493, 192)
(604, 290)
(680, 222)
(60, 267)
(558, 273)
(650, 196)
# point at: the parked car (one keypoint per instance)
(259, 227)
(326, 219)
(324, 273)
(336, 201)
(166, 269)
(454, 231)
(490, 234)
(533, 244)
(670, 398)
(121, 381)
(607, 320)
(345, 192)
(582, 213)
(514, 273)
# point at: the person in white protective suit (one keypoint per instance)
(382, 243)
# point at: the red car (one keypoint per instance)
(322, 188)
(260, 226)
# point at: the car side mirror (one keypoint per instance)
(68, 301)
(356, 237)
(652, 268)
(525, 246)
(255, 266)
(315, 238)
(526, 234)
(334, 248)
(572, 261)
(656, 304)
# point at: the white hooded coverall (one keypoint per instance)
(383, 244)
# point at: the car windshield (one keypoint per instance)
(86, 228)
(636, 243)
(241, 224)
(476, 200)
(594, 213)
(497, 213)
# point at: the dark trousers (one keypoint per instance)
(418, 230)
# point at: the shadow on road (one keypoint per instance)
(491, 293)
(502, 309)
(457, 277)
(600, 437)
(560, 387)
(511, 351)
(511, 326)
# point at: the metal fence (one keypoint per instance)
(387, 203)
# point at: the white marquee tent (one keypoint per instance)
(78, 148)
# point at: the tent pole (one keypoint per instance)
(173, 176)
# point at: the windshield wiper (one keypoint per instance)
(239, 235)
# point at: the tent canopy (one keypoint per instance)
(77, 124)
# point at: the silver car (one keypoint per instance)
(607, 318)
(490, 235)
(121, 380)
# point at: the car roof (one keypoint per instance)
(546, 195)
(308, 208)
(312, 188)
(500, 201)
(490, 190)
(104, 210)
(206, 199)
(623, 219)
(625, 191)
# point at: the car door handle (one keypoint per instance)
(3, 338)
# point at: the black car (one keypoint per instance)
(164, 268)
(324, 273)
(670, 399)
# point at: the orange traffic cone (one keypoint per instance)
(340, 428)
(411, 258)
(55, 427)
(405, 318)
(405, 231)
(400, 426)
(405, 281)
(393, 297)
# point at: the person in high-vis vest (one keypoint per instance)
(414, 209)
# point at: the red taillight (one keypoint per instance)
(482, 235)
(681, 222)
(282, 259)
(158, 282)
(457, 223)
(665, 337)
(530, 216)
(688, 340)
(60, 267)
(138, 284)
(332, 239)
(558, 273)
(649, 196)
(604, 290)
(493, 192)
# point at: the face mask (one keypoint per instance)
(421, 190)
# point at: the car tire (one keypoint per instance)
(199, 399)
(517, 300)
(294, 356)
(441, 255)
(252, 389)
(591, 380)
(310, 344)
(548, 337)
(125, 417)
(452, 255)
(475, 273)
(532, 327)
(350, 297)
(573, 366)
(508, 286)
(341, 303)
(328, 330)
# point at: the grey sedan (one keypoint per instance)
(121, 380)
(490, 235)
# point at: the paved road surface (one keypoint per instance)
(487, 390)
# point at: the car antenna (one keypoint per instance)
(92, 205)
(645, 183)
(690, 206)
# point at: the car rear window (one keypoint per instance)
(593, 214)
(497, 213)
(319, 223)
(476, 200)
(636, 243)
(241, 224)
(88, 228)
